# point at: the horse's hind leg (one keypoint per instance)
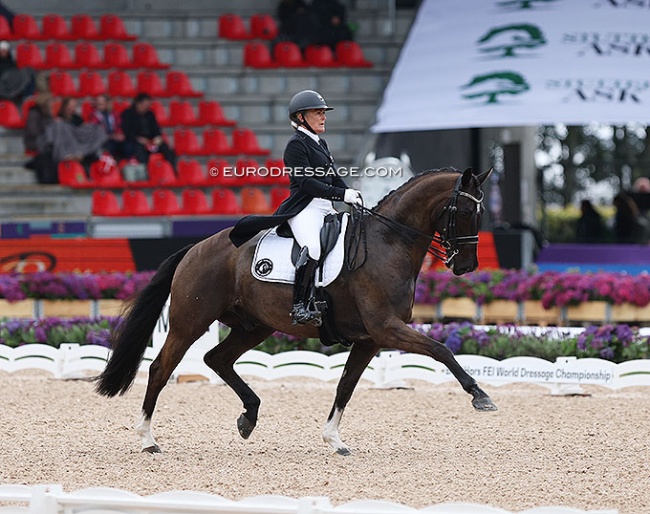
(358, 360)
(222, 359)
(175, 347)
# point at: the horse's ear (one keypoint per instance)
(484, 176)
(370, 157)
(467, 177)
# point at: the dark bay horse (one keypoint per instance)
(372, 304)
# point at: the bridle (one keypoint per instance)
(448, 240)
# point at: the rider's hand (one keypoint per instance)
(353, 197)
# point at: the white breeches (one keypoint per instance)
(307, 223)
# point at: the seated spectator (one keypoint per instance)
(103, 115)
(590, 227)
(7, 13)
(142, 134)
(15, 83)
(332, 23)
(39, 116)
(296, 23)
(630, 226)
(68, 138)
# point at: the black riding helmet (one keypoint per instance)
(304, 101)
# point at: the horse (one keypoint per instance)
(371, 302)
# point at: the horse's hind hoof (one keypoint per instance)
(244, 426)
(484, 404)
(152, 449)
(345, 452)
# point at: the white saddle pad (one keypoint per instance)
(272, 259)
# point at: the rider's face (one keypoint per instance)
(316, 119)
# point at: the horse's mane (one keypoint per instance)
(414, 178)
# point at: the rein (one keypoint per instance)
(448, 239)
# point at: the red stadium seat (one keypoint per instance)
(320, 56)
(86, 55)
(105, 203)
(116, 55)
(161, 172)
(62, 84)
(244, 141)
(145, 56)
(181, 112)
(54, 26)
(86, 110)
(222, 173)
(211, 113)
(195, 202)
(224, 201)
(186, 142)
(254, 201)
(278, 195)
(91, 84)
(160, 113)
(149, 82)
(106, 176)
(120, 84)
(215, 142)
(258, 55)
(349, 53)
(5, 30)
(135, 203)
(246, 170)
(72, 174)
(263, 26)
(288, 54)
(190, 173)
(165, 203)
(179, 84)
(28, 54)
(10, 115)
(119, 106)
(57, 55)
(82, 26)
(277, 172)
(25, 27)
(111, 26)
(231, 26)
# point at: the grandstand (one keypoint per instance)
(221, 92)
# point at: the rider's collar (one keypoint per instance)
(310, 134)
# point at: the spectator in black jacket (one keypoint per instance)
(142, 134)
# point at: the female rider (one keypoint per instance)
(314, 185)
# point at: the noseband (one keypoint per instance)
(448, 239)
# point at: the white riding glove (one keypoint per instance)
(353, 197)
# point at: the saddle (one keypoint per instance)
(275, 258)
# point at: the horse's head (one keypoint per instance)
(459, 223)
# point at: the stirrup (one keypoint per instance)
(301, 315)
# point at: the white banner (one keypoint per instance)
(490, 63)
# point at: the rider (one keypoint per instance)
(314, 184)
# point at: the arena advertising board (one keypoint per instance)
(491, 63)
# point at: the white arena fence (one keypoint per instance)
(51, 499)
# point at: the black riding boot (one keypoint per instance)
(302, 290)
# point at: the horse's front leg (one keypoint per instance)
(398, 335)
(358, 360)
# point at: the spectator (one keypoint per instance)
(297, 23)
(590, 228)
(7, 14)
(332, 24)
(630, 226)
(142, 134)
(15, 83)
(39, 116)
(103, 115)
(68, 112)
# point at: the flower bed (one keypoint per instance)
(611, 342)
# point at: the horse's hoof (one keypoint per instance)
(343, 451)
(244, 426)
(484, 404)
(152, 449)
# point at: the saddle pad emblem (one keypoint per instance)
(272, 258)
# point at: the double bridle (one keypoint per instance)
(448, 240)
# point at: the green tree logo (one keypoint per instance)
(492, 85)
(519, 5)
(508, 39)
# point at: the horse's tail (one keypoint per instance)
(131, 337)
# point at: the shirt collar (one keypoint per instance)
(310, 134)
